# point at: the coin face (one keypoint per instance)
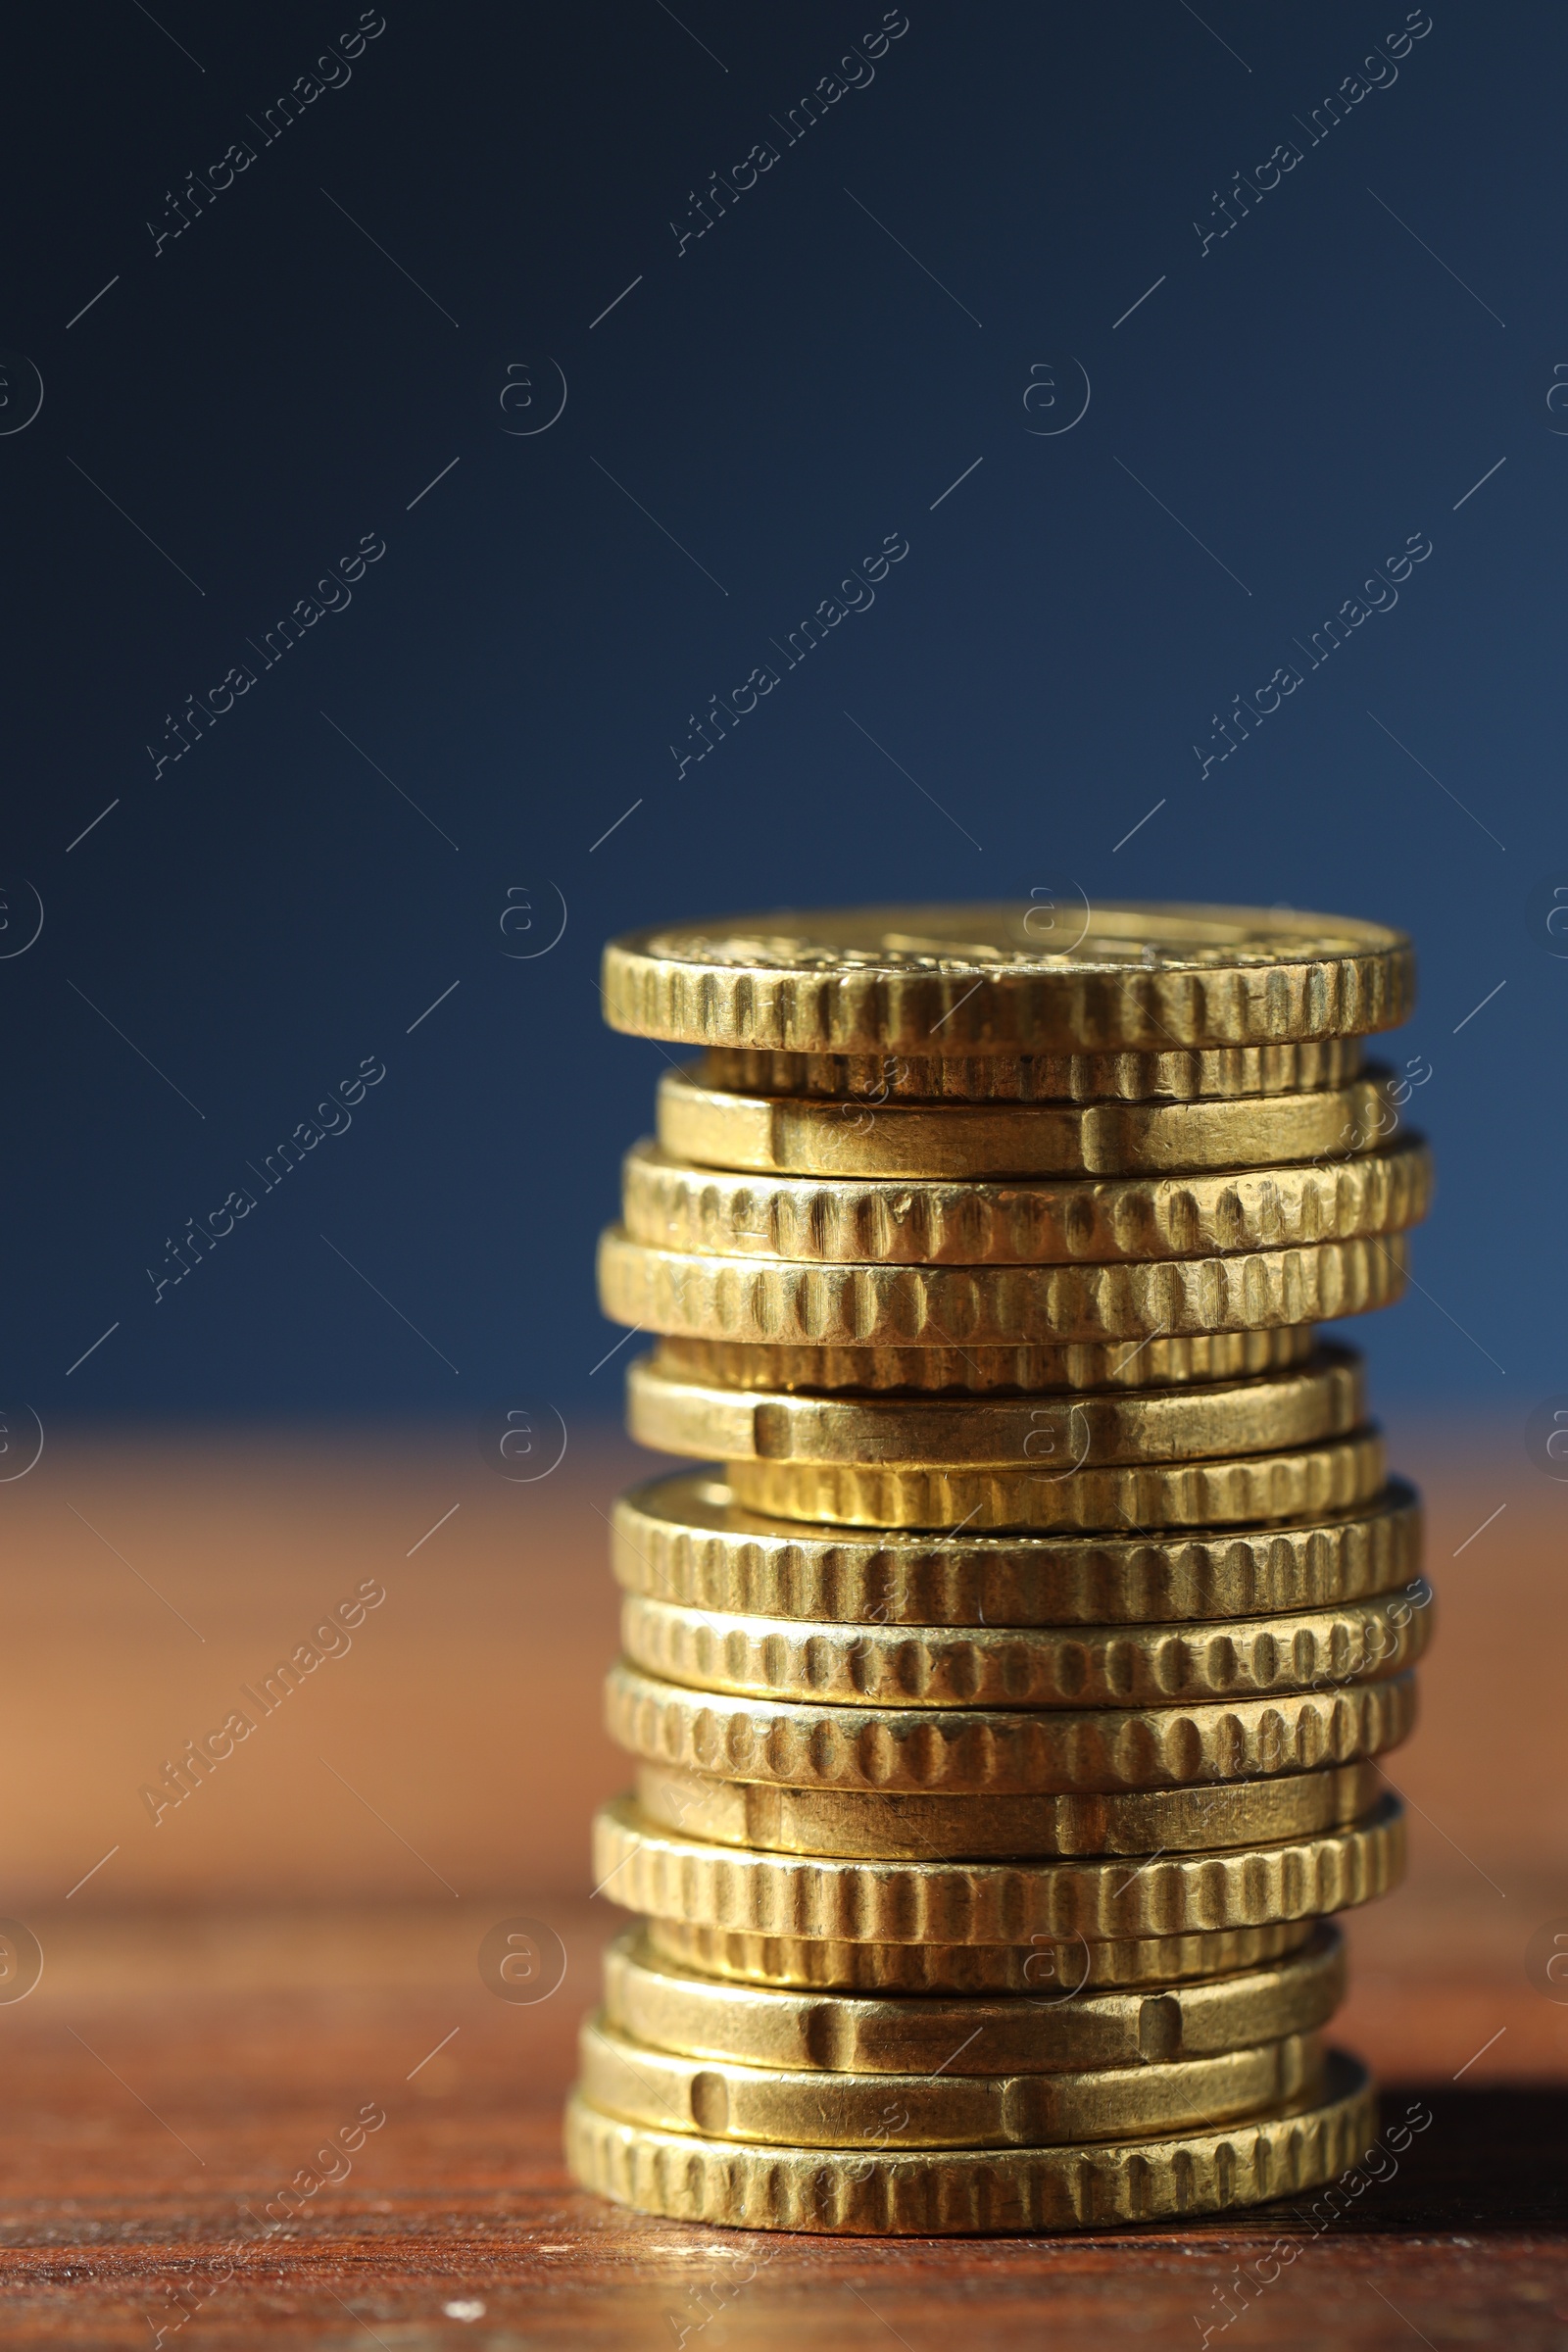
(1012, 977)
(1020, 936)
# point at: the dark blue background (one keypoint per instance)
(783, 393)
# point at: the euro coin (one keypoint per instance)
(1324, 1398)
(887, 1665)
(1019, 978)
(802, 1135)
(1182, 1074)
(932, 2193)
(1058, 1970)
(784, 2107)
(652, 1999)
(899, 1825)
(1030, 1366)
(767, 1300)
(899, 1220)
(668, 1875)
(1294, 1483)
(961, 1752)
(686, 1541)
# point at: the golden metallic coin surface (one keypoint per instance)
(1044, 1968)
(1178, 1075)
(1018, 978)
(962, 1750)
(892, 1220)
(802, 1135)
(900, 1826)
(667, 1875)
(977, 1371)
(886, 1665)
(929, 2193)
(688, 1294)
(1302, 1482)
(782, 2107)
(1324, 1398)
(686, 1541)
(652, 1999)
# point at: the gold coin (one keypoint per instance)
(1303, 1482)
(1179, 1075)
(670, 1875)
(888, 1665)
(690, 1295)
(1074, 1365)
(927, 2193)
(898, 1826)
(1045, 1968)
(651, 1999)
(800, 1135)
(685, 1540)
(957, 1751)
(902, 1221)
(785, 2108)
(1008, 978)
(1046, 1435)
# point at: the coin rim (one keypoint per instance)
(1094, 2184)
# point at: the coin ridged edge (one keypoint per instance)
(1068, 1367)
(930, 1970)
(859, 1824)
(894, 1220)
(667, 1876)
(772, 2106)
(1048, 1751)
(1179, 1074)
(1303, 1404)
(850, 1573)
(986, 1666)
(685, 2178)
(676, 2007)
(1295, 1483)
(888, 1008)
(800, 1304)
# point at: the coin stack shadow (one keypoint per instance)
(1008, 1708)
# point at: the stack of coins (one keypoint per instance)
(1008, 1708)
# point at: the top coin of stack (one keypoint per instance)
(983, 1247)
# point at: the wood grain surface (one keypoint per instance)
(296, 1945)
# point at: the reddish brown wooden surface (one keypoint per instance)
(234, 1985)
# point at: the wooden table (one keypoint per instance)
(298, 1946)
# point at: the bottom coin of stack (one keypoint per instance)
(986, 1880)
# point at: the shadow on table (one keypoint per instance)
(1489, 2161)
